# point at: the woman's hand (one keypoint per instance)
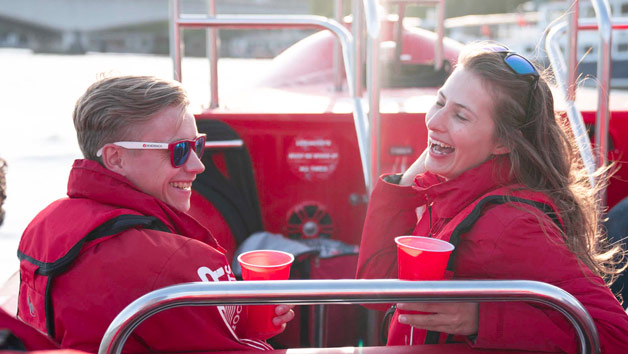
(416, 168)
(284, 314)
(453, 318)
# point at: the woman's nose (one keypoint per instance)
(436, 119)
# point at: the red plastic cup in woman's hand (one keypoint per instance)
(264, 265)
(422, 258)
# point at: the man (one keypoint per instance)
(123, 230)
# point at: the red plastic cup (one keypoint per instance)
(264, 265)
(422, 258)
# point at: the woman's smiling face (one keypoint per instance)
(461, 130)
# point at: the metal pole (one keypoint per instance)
(357, 27)
(301, 21)
(339, 7)
(572, 51)
(372, 11)
(399, 36)
(320, 319)
(602, 14)
(212, 54)
(311, 292)
(576, 122)
(175, 39)
(439, 48)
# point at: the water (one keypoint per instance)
(37, 137)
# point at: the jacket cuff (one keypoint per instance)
(392, 179)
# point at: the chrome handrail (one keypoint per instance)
(284, 21)
(374, 13)
(572, 49)
(565, 78)
(212, 54)
(557, 62)
(310, 292)
(603, 17)
(220, 144)
(357, 27)
(337, 57)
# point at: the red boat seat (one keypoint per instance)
(228, 187)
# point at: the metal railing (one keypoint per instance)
(275, 22)
(311, 292)
(369, 141)
(220, 144)
(566, 80)
(576, 122)
(374, 15)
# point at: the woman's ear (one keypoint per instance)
(500, 149)
(113, 159)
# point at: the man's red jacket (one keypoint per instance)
(112, 271)
(506, 242)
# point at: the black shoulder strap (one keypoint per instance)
(110, 227)
(467, 223)
(8, 341)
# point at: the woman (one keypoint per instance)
(493, 132)
(123, 230)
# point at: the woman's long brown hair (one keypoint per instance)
(544, 157)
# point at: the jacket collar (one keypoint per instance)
(89, 179)
(447, 198)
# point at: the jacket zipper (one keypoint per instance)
(429, 212)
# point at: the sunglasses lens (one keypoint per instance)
(199, 146)
(520, 65)
(180, 153)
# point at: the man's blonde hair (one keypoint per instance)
(111, 107)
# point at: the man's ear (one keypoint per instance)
(113, 158)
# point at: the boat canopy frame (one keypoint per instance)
(366, 13)
(179, 21)
(565, 72)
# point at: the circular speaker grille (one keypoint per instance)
(309, 220)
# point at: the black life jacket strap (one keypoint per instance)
(383, 332)
(467, 223)
(110, 227)
(8, 341)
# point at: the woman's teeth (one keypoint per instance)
(441, 148)
(181, 185)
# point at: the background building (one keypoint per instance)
(135, 26)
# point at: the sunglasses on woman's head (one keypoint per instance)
(179, 150)
(520, 66)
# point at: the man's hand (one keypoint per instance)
(284, 314)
